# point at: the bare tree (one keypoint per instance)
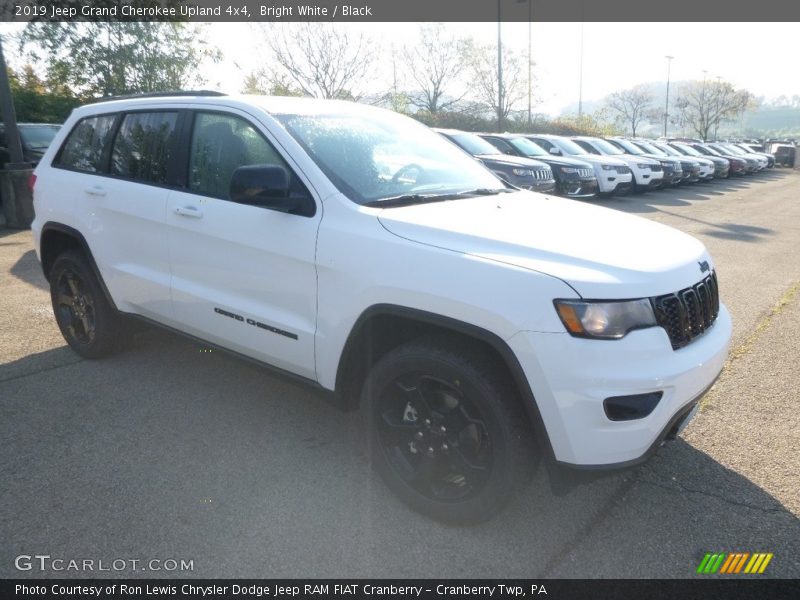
(482, 63)
(632, 106)
(322, 60)
(703, 105)
(435, 63)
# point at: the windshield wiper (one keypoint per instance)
(407, 199)
(410, 199)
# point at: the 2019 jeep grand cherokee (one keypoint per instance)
(355, 249)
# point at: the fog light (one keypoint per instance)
(628, 408)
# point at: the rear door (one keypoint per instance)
(243, 276)
(113, 172)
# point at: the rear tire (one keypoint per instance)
(447, 432)
(87, 320)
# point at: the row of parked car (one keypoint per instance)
(583, 166)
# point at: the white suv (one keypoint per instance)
(647, 172)
(479, 327)
(613, 175)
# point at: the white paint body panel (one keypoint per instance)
(496, 263)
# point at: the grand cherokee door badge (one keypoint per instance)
(254, 323)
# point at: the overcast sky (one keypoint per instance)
(761, 57)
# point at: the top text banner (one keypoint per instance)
(402, 10)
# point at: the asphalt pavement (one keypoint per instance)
(169, 451)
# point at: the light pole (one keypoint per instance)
(499, 70)
(580, 80)
(716, 124)
(666, 105)
(530, 61)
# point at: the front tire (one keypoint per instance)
(87, 320)
(447, 432)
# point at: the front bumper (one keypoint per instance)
(613, 182)
(541, 186)
(571, 377)
(578, 188)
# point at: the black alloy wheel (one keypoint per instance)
(448, 433)
(88, 321)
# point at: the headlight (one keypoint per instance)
(605, 320)
(569, 169)
(608, 167)
(643, 165)
(522, 172)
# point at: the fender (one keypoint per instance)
(441, 322)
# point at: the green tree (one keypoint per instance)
(110, 59)
(36, 100)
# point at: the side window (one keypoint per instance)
(144, 146)
(83, 149)
(544, 144)
(221, 144)
(586, 146)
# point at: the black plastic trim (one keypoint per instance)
(448, 323)
(78, 236)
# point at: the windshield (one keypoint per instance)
(651, 149)
(734, 149)
(527, 147)
(629, 147)
(668, 150)
(472, 143)
(567, 146)
(686, 149)
(373, 156)
(707, 150)
(605, 147)
(38, 137)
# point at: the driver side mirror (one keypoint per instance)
(263, 185)
(555, 151)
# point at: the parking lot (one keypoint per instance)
(170, 451)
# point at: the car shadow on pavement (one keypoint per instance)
(28, 269)
(173, 449)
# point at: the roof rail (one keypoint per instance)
(161, 95)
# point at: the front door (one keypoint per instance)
(243, 276)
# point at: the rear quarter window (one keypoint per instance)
(84, 146)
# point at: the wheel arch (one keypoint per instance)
(382, 327)
(57, 238)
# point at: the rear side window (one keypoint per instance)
(144, 146)
(83, 149)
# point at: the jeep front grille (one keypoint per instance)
(542, 174)
(622, 170)
(688, 313)
(655, 168)
(586, 172)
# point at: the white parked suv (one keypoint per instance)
(613, 175)
(647, 172)
(478, 326)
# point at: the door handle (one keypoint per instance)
(189, 211)
(95, 190)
